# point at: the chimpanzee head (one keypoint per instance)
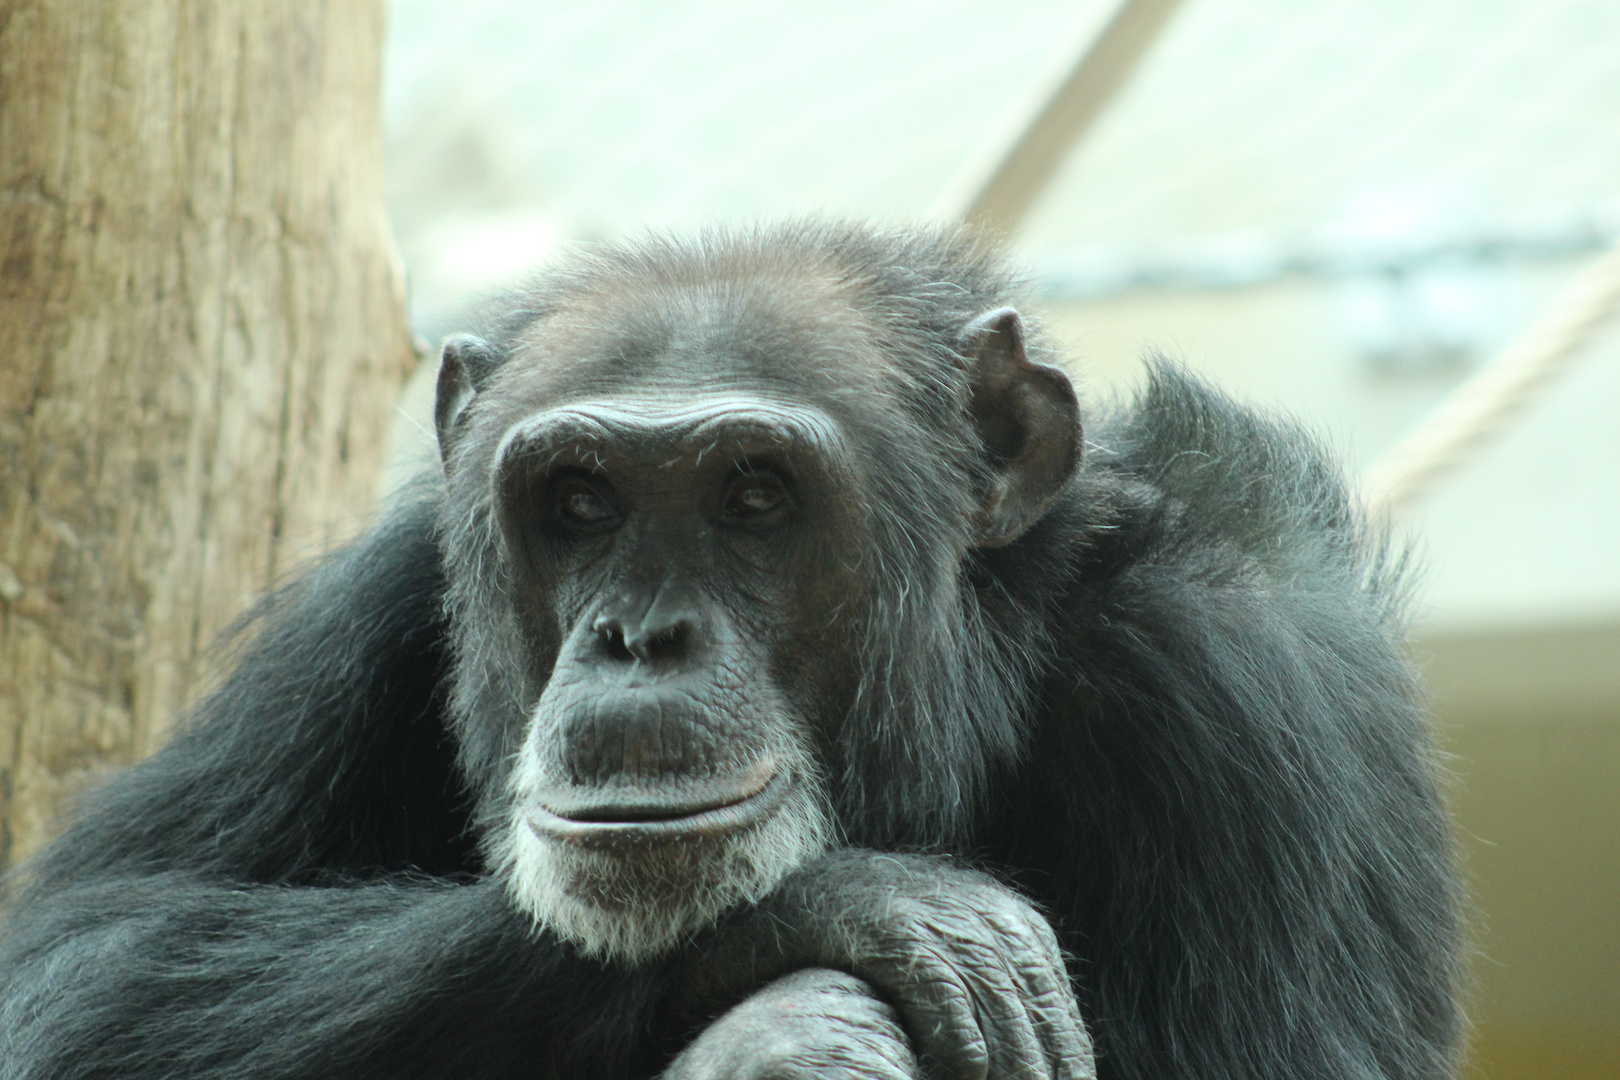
(712, 511)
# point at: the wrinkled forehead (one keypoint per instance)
(796, 337)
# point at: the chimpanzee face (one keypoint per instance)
(671, 549)
(696, 501)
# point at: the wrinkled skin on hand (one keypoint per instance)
(813, 1024)
(971, 969)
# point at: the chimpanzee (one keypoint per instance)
(776, 684)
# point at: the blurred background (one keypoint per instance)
(1342, 211)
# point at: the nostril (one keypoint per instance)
(613, 643)
(658, 643)
(666, 644)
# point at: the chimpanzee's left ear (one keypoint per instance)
(1028, 419)
(467, 364)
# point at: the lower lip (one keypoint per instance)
(746, 812)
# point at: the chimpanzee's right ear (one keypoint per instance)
(467, 364)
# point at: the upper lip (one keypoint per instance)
(662, 811)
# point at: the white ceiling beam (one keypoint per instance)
(1013, 167)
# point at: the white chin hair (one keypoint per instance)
(633, 902)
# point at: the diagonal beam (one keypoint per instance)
(1009, 173)
(1488, 401)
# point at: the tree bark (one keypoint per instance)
(202, 334)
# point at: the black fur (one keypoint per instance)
(1177, 713)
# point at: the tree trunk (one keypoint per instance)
(202, 334)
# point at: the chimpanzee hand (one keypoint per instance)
(815, 1024)
(973, 970)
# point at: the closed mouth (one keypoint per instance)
(607, 816)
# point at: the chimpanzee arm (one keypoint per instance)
(971, 968)
(255, 900)
(171, 976)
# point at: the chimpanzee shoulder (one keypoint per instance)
(1231, 693)
(325, 752)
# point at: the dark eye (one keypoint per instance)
(579, 502)
(755, 498)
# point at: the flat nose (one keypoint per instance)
(665, 632)
(661, 643)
